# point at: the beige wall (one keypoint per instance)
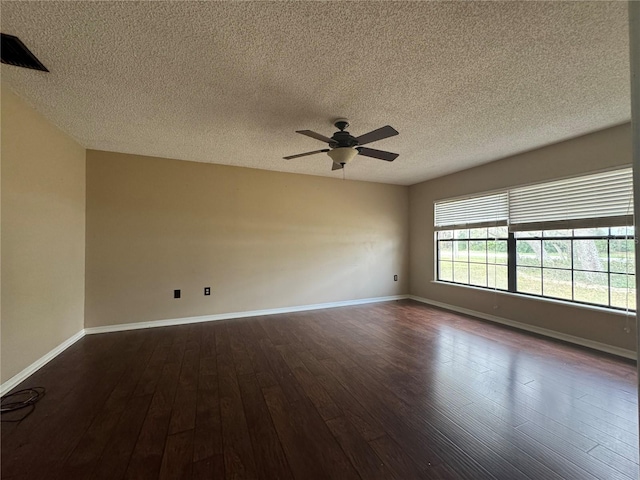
(601, 150)
(259, 239)
(43, 236)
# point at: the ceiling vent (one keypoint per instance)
(14, 52)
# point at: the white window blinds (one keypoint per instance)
(601, 199)
(485, 210)
(593, 200)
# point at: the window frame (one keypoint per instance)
(486, 263)
(512, 264)
(573, 269)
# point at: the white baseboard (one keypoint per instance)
(38, 364)
(228, 316)
(603, 347)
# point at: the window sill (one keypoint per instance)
(622, 313)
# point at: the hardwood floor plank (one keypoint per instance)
(361, 455)
(275, 335)
(570, 436)
(622, 407)
(207, 440)
(239, 352)
(238, 454)
(311, 449)
(270, 459)
(443, 472)
(505, 441)
(308, 342)
(616, 461)
(310, 385)
(552, 446)
(440, 446)
(571, 428)
(281, 372)
(63, 380)
(115, 457)
(153, 370)
(177, 457)
(252, 333)
(266, 379)
(223, 346)
(208, 366)
(395, 390)
(348, 403)
(146, 459)
(402, 466)
(299, 450)
(208, 341)
(211, 468)
(89, 448)
(183, 413)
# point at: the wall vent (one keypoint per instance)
(14, 52)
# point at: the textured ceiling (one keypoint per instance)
(229, 82)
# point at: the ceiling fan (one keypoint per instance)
(343, 146)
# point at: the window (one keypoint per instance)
(588, 265)
(567, 240)
(476, 256)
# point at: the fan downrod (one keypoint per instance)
(341, 124)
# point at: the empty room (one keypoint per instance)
(318, 240)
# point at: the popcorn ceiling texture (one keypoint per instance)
(464, 83)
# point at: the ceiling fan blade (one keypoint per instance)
(315, 135)
(379, 134)
(324, 150)
(336, 166)
(380, 154)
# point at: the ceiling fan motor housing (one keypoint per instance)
(343, 139)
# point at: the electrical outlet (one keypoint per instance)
(207, 290)
(395, 278)
(176, 294)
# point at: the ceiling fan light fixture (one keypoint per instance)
(342, 155)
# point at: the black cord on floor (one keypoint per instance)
(20, 400)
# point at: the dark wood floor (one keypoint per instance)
(395, 390)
